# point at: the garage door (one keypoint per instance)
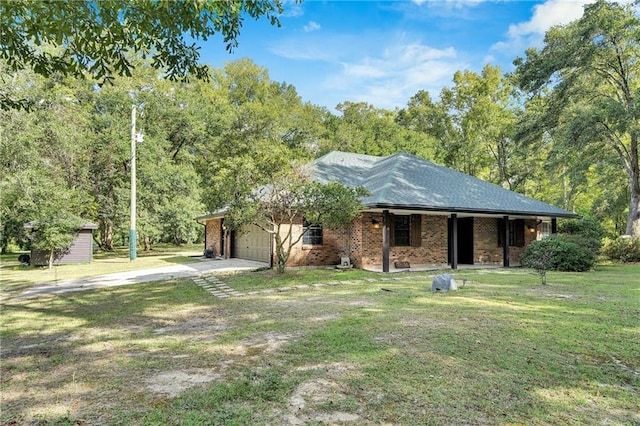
(252, 244)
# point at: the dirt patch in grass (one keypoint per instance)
(313, 393)
(174, 382)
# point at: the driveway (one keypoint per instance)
(208, 266)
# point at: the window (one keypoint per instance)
(405, 231)
(312, 234)
(545, 230)
(516, 232)
(402, 230)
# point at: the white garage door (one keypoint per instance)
(252, 244)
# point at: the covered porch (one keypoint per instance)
(452, 240)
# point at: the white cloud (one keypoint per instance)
(383, 69)
(293, 49)
(311, 26)
(292, 9)
(523, 35)
(546, 15)
(396, 73)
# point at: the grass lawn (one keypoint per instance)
(503, 350)
(15, 276)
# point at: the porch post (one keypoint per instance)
(454, 241)
(554, 225)
(385, 241)
(505, 243)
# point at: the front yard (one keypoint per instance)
(502, 350)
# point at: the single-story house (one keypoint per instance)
(416, 213)
(80, 250)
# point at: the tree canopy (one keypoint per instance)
(588, 78)
(76, 37)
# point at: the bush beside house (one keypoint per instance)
(573, 250)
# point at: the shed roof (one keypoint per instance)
(34, 225)
(404, 181)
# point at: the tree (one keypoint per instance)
(289, 198)
(98, 37)
(45, 153)
(54, 235)
(78, 136)
(473, 124)
(53, 208)
(255, 128)
(588, 76)
(364, 129)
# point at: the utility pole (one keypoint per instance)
(132, 227)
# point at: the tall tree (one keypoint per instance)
(98, 37)
(588, 73)
(257, 128)
(45, 157)
(365, 129)
(78, 136)
(473, 124)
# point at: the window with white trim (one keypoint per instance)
(545, 229)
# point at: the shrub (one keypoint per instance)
(586, 232)
(586, 226)
(590, 245)
(540, 256)
(573, 257)
(623, 249)
(557, 253)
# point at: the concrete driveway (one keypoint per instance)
(208, 266)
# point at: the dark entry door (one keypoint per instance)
(465, 240)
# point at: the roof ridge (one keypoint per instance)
(391, 175)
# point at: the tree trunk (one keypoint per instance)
(52, 253)
(282, 252)
(147, 243)
(633, 220)
(106, 235)
(227, 237)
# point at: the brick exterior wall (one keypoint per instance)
(516, 252)
(485, 240)
(213, 236)
(432, 250)
(335, 245)
(363, 244)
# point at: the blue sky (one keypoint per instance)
(384, 52)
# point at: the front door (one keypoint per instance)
(465, 240)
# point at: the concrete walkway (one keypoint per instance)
(208, 266)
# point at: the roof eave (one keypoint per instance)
(456, 210)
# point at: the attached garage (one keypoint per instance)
(252, 243)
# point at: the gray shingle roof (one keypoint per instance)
(404, 181)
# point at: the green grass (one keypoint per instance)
(270, 278)
(503, 350)
(15, 276)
